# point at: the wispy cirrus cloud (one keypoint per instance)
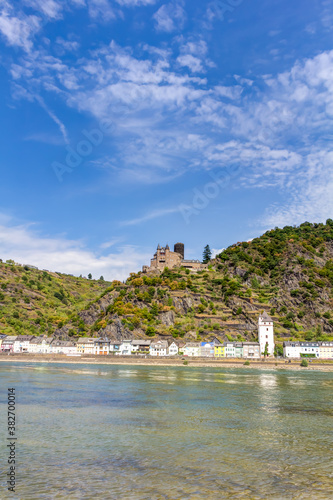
(154, 214)
(169, 121)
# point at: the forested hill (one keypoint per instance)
(288, 272)
(34, 302)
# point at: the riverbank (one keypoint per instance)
(195, 362)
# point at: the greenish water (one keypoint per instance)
(165, 433)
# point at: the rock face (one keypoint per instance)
(90, 316)
(116, 331)
(167, 318)
(62, 333)
(182, 304)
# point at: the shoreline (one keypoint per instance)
(192, 362)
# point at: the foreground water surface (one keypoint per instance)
(167, 433)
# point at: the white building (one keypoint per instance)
(172, 349)
(125, 348)
(40, 345)
(62, 347)
(326, 350)
(191, 349)
(86, 345)
(266, 333)
(102, 346)
(292, 349)
(158, 348)
(141, 346)
(229, 349)
(22, 342)
(251, 350)
(207, 349)
(309, 349)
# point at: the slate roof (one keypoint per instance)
(266, 317)
(10, 338)
(141, 342)
(24, 338)
(160, 344)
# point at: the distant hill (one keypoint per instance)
(39, 302)
(288, 272)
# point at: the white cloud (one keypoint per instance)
(234, 92)
(194, 63)
(18, 29)
(135, 3)
(101, 9)
(216, 251)
(311, 198)
(154, 214)
(26, 246)
(56, 120)
(168, 122)
(170, 17)
(67, 45)
(49, 8)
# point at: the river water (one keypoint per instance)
(168, 433)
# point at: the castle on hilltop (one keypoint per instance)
(164, 257)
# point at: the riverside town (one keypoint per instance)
(150, 348)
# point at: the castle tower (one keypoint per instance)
(179, 248)
(266, 333)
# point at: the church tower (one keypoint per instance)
(266, 333)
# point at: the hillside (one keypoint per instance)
(38, 302)
(288, 272)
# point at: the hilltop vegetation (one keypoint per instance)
(288, 272)
(38, 302)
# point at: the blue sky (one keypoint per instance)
(128, 123)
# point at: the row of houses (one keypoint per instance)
(105, 346)
(323, 350)
(36, 345)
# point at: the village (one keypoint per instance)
(214, 348)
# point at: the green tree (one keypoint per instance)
(150, 331)
(101, 278)
(278, 350)
(265, 353)
(89, 276)
(207, 255)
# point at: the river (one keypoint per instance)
(167, 433)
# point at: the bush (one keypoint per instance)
(304, 363)
(185, 363)
(150, 331)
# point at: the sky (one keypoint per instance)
(131, 123)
